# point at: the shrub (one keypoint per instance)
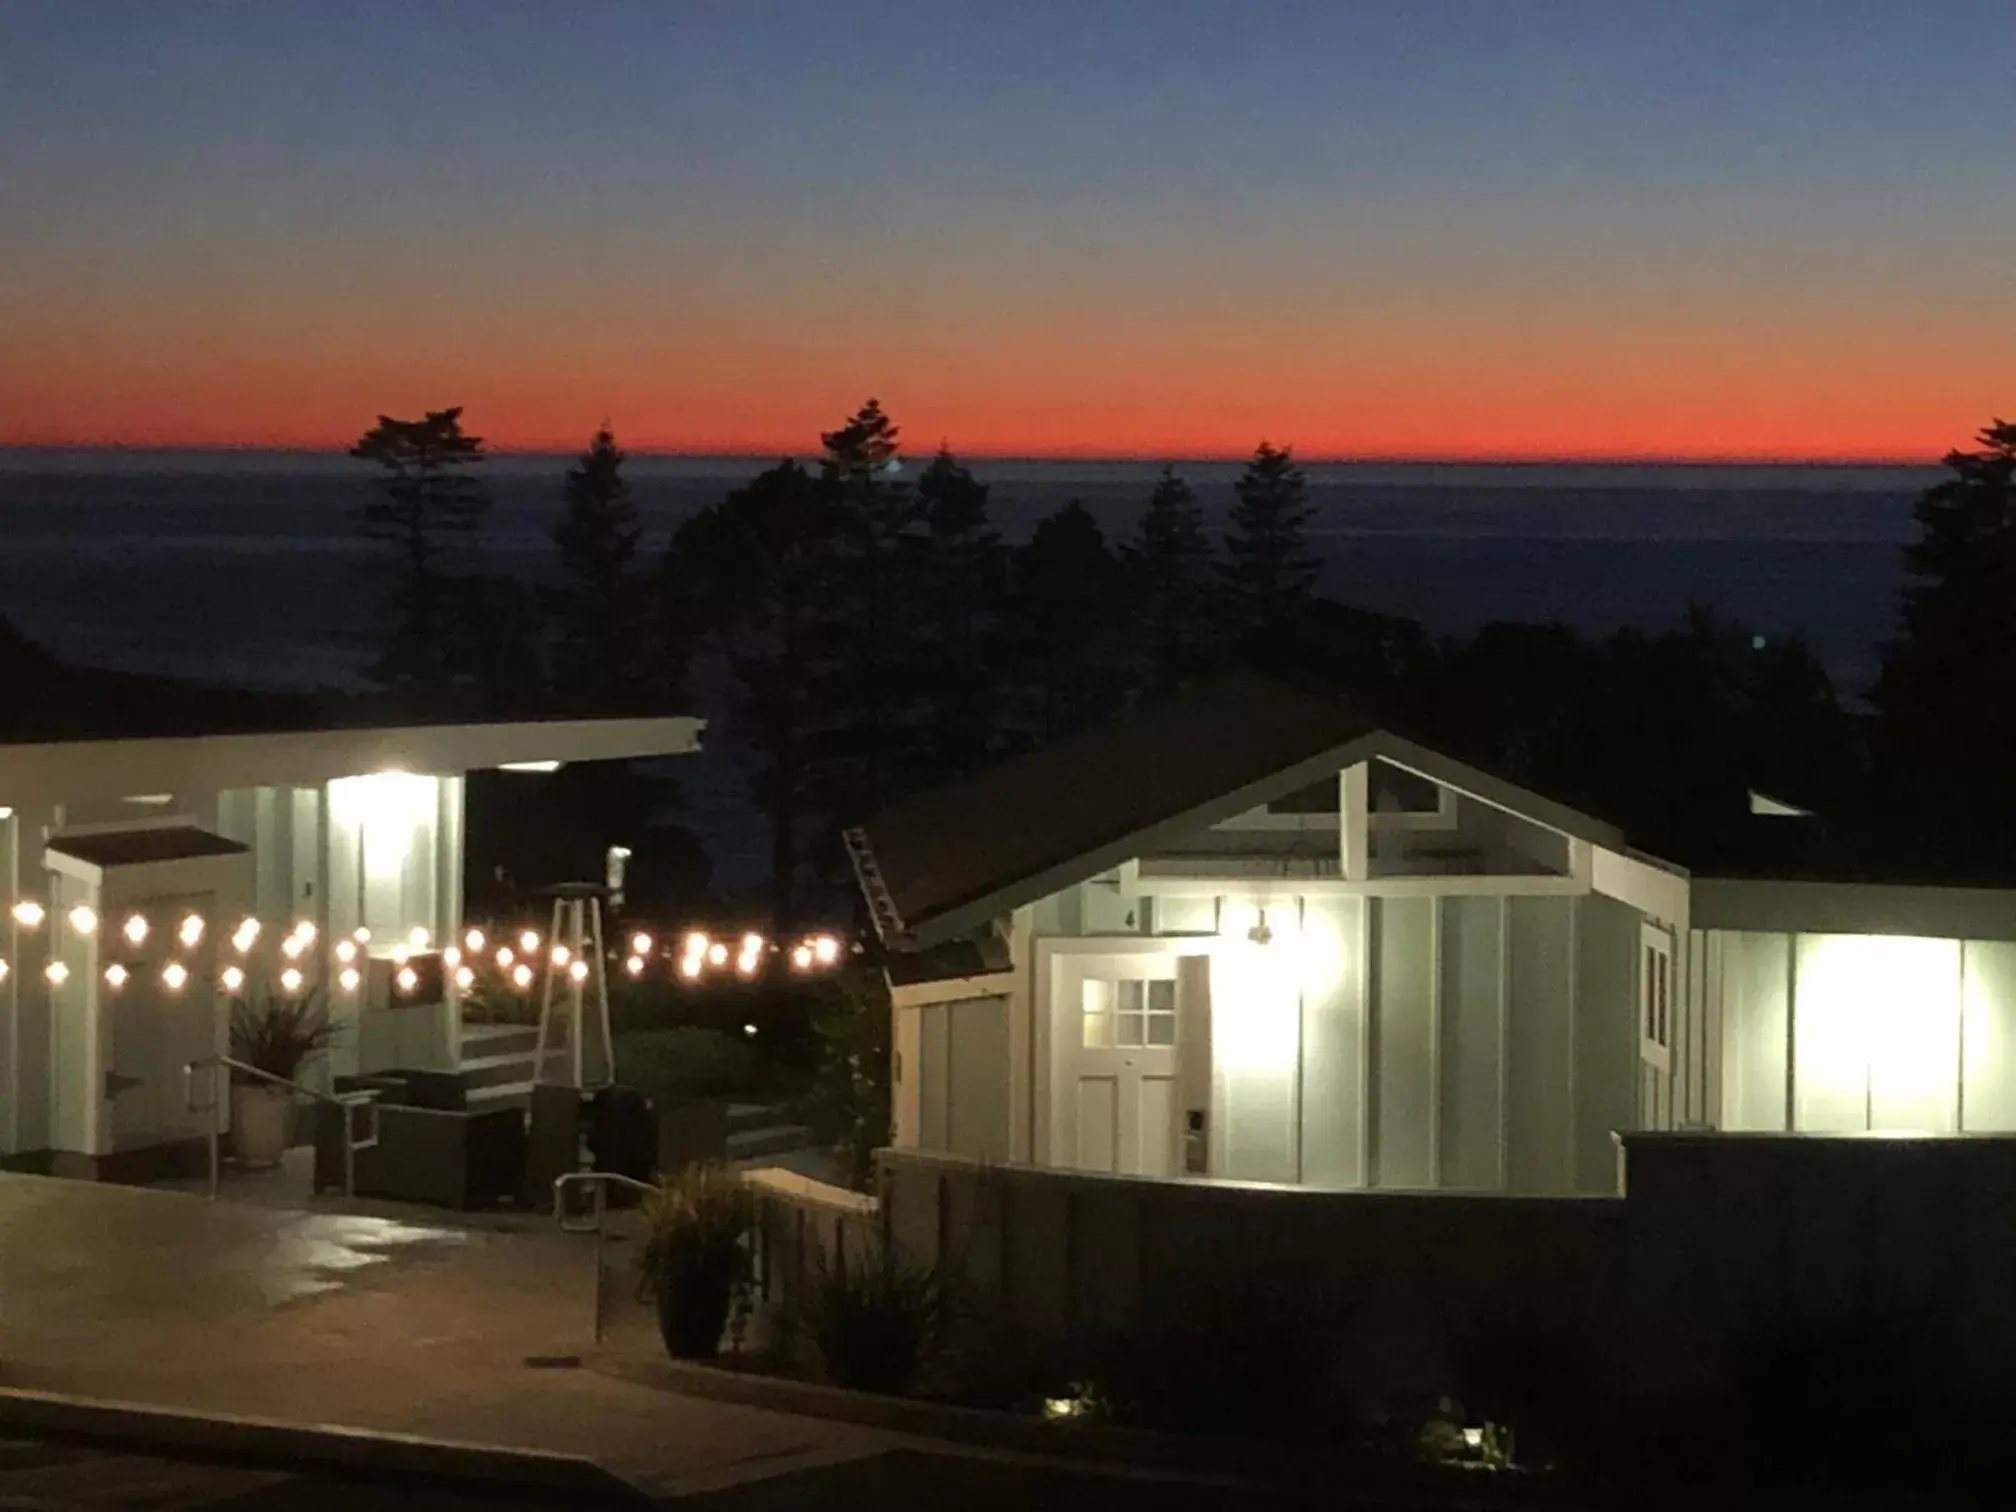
(670, 1065)
(280, 1037)
(695, 1261)
(849, 1104)
(876, 1321)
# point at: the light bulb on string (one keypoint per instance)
(717, 954)
(561, 954)
(346, 951)
(408, 979)
(232, 978)
(84, 919)
(464, 978)
(191, 931)
(349, 978)
(825, 949)
(635, 966)
(174, 976)
(290, 980)
(578, 971)
(56, 973)
(29, 914)
(135, 929)
(452, 956)
(521, 976)
(304, 931)
(292, 946)
(246, 934)
(640, 943)
(504, 957)
(529, 941)
(420, 937)
(473, 941)
(115, 976)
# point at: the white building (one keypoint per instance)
(128, 868)
(1240, 934)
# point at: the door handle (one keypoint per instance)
(115, 1084)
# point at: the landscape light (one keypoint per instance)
(290, 979)
(346, 951)
(191, 932)
(407, 979)
(464, 978)
(348, 979)
(640, 943)
(233, 978)
(174, 976)
(84, 919)
(529, 941)
(521, 978)
(28, 914)
(57, 973)
(474, 941)
(635, 966)
(115, 976)
(135, 930)
(578, 971)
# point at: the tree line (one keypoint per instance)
(880, 636)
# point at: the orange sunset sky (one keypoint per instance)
(1442, 230)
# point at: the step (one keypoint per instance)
(775, 1139)
(480, 1071)
(499, 1095)
(498, 1039)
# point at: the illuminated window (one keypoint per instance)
(1128, 1013)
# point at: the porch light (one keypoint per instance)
(420, 937)
(640, 944)
(521, 977)
(349, 979)
(635, 966)
(246, 933)
(1260, 934)
(292, 946)
(560, 955)
(28, 914)
(135, 930)
(57, 973)
(407, 980)
(473, 941)
(174, 976)
(115, 976)
(84, 919)
(290, 980)
(191, 932)
(464, 979)
(233, 978)
(578, 972)
(801, 958)
(346, 951)
(826, 949)
(529, 941)
(504, 957)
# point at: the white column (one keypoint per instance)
(1354, 791)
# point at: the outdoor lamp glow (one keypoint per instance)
(452, 956)
(419, 937)
(464, 978)
(174, 976)
(361, 935)
(28, 914)
(84, 919)
(635, 966)
(57, 973)
(135, 930)
(290, 979)
(346, 951)
(689, 967)
(578, 971)
(304, 931)
(696, 944)
(191, 932)
(717, 954)
(407, 980)
(474, 941)
(246, 933)
(826, 949)
(115, 976)
(801, 958)
(349, 978)
(640, 943)
(233, 978)
(560, 955)
(529, 941)
(400, 955)
(292, 946)
(504, 957)
(521, 976)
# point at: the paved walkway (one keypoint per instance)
(391, 1324)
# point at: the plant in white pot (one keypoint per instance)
(278, 1038)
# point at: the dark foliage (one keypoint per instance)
(1171, 588)
(1268, 569)
(602, 656)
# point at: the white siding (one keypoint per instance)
(1472, 1023)
(1989, 1036)
(1404, 973)
(1333, 1044)
(1540, 1077)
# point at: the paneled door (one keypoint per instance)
(158, 1027)
(1117, 1107)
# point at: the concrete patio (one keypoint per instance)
(414, 1325)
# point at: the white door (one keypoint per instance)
(1118, 1058)
(157, 1029)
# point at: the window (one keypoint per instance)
(1655, 998)
(1128, 1013)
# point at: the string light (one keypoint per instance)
(174, 976)
(400, 955)
(233, 978)
(57, 973)
(244, 936)
(452, 956)
(504, 958)
(407, 980)
(825, 949)
(635, 966)
(28, 914)
(750, 1030)
(801, 958)
(420, 937)
(292, 946)
(560, 955)
(290, 980)
(529, 941)
(346, 951)
(752, 944)
(3, 970)
(84, 919)
(191, 932)
(474, 941)
(521, 976)
(304, 931)
(696, 944)
(717, 954)
(689, 967)
(578, 971)
(135, 930)
(349, 978)
(115, 976)
(464, 978)
(640, 943)
(361, 935)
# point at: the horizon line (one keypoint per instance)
(1368, 459)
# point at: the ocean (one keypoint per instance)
(246, 566)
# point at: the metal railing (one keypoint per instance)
(349, 1102)
(592, 1221)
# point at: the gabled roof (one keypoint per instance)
(950, 859)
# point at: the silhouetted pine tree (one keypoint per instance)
(428, 514)
(962, 580)
(1067, 611)
(1268, 571)
(598, 607)
(1171, 587)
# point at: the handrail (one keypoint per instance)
(347, 1101)
(598, 1182)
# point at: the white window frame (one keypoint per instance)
(1655, 996)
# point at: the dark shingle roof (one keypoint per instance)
(138, 847)
(1155, 762)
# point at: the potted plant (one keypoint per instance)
(278, 1038)
(695, 1260)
